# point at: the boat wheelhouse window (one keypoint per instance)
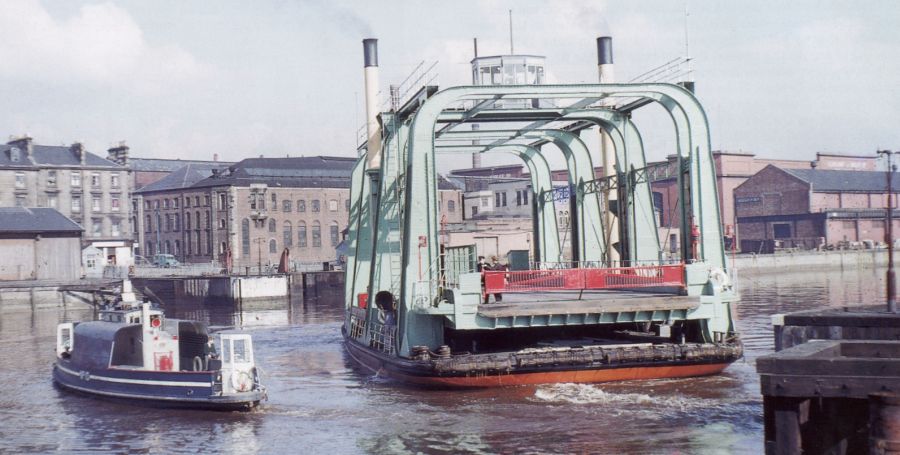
(241, 353)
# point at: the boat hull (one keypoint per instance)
(181, 389)
(423, 372)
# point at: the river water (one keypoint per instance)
(320, 404)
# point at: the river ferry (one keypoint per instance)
(602, 299)
(137, 355)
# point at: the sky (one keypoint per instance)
(240, 79)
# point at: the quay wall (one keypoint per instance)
(809, 260)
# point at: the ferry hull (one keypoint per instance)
(180, 389)
(420, 373)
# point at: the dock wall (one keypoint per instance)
(809, 260)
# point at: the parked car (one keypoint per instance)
(165, 260)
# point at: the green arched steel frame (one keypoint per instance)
(420, 224)
(547, 244)
(587, 230)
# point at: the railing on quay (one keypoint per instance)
(578, 279)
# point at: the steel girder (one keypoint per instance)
(585, 208)
(359, 235)
(420, 251)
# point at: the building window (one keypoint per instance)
(76, 179)
(301, 205)
(274, 201)
(189, 244)
(96, 227)
(187, 221)
(208, 220)
(196, 201)
(485, 201)
(114, 180)
(76, 203)
(116, 228)
(347, 204)
(500, 199)
(273, 248)
(166, 249)
(197, 226)
(316, 234)
(187, 202)
(168, 222)
(301, 234)
(175, 202)
(20, 179)
(114, 202)
(177, 221)
(177, 249)
(156, 204)
(286, 205)
(206, 200)
(165, 203)
(474, 210)
(221, 201)
(335, 233)
(149, 251)
(315, 205)
(51, 178)
(451, 206)
(222, 247)
(199, 243)
(272, 226)
(148, 227)
(95, 204)
(221, 223)
(20, 201)
(332, 205)
(95, 179)
(288, 234)
(52, 201)
(245, 237)
(782, 230)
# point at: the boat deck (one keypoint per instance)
(589, 307)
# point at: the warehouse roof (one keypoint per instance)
(183, 177)
(35, 220)
(169, 165)
(844, 181)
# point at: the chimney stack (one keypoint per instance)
(23, 143)
(215, 157)
(78, 149)
(373, 129)
(118, 154)
(605, 59)
(606, 73)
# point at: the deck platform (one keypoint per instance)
(589, 307)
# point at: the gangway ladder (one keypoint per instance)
(392, 206)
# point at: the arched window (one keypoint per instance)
(149, 251)
(177, 222)
(288, 234)
(301, 234)
(334, 233)
(273, 247)
(199, 243)
(245, 237)
(208, 220)
(273, 227)
(149, 226)
(316, 234)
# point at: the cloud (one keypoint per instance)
(99, 45)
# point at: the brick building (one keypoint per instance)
(84, 187)
(255, 208)
(809, 208)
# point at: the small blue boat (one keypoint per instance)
(137, 355)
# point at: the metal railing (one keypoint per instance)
(578, 279)
(383, 336)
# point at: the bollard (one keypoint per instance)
(884, 423)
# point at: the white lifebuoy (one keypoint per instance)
(241, 381)
(719, 279)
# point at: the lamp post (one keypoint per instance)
(889, 238)
(259, 241)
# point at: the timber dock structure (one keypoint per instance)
(612, 307)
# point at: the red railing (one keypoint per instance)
(496, 282)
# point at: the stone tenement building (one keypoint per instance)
(92, 191)
(254, 208)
